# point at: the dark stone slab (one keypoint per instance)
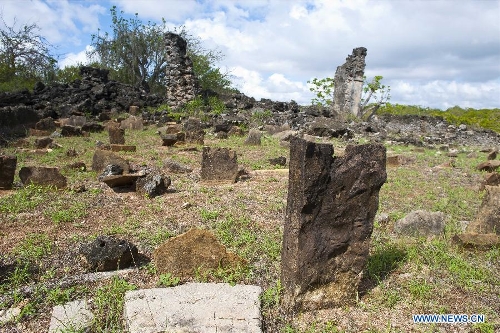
(7, 171)
(332, 202)
(108, 253)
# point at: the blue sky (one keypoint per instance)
(432, 53)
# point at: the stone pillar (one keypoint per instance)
(348, 83)
(182, 85)
(7, 171)
(331, 206)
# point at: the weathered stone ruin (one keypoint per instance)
(219, 164)
(348, 83)
(332, 202)
(181, 84)
(44, 176)
(7, 171)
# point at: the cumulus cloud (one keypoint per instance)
(73, 59)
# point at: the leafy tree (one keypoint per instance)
(25, 57)
(135, 54)
(373, 90)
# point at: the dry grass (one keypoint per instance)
(44, 227)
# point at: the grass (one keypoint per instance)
(41, 227)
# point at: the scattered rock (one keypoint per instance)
(77, 166)
(111, 170)
(169, 140)
(42, 176)
(35, 132)
(285, 135)
(71, 152)
(194, 252)
(69, 130)
(129, 148)
(489, 166)
(153, 184)
(477, 241)
(421, 223)
(46, 124)
(331, 206)
(219, 164)
(278, 161)
(73, 316)
(128, 179)
(9, 314)
(488, 218)
(43, 142)
(194, 132)
(221, 135)
(132, 123)
(103, 158)
(8, 165)
(107, 253)
(194, 307)
(93, 127)
(492, 155)
(235, 131)
(176, 167)
(116, 135)
(254, 138)
(490, 179)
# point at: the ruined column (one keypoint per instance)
(182, 85)
(331, 206)
(348, 83)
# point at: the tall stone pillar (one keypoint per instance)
(348, 83)
(332, 202)
(182, 85)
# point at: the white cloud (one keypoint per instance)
(72, 59)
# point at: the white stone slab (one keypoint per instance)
(194, 307)
(72, 316)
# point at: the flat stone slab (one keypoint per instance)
(194, 307)
(72, 316)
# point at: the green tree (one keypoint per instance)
(135, 54)
(373, 90)
(25, 57)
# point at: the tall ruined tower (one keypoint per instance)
(182, 85)
(348, 83)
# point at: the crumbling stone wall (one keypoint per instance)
(182, 85)
(348, 83)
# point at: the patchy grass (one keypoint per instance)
(41, 228)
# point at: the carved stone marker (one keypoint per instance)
(332, 202)
(181, 82)
(42, 176)
(7, 171)
(348, 82)
(219, 164)
(116, 135)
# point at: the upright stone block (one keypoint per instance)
(332, 202)
(116, 135)
(348, 82)
(219, 164)
(7, 171)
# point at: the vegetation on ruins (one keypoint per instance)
(373, 90)
(135, 54)
(485, 118)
